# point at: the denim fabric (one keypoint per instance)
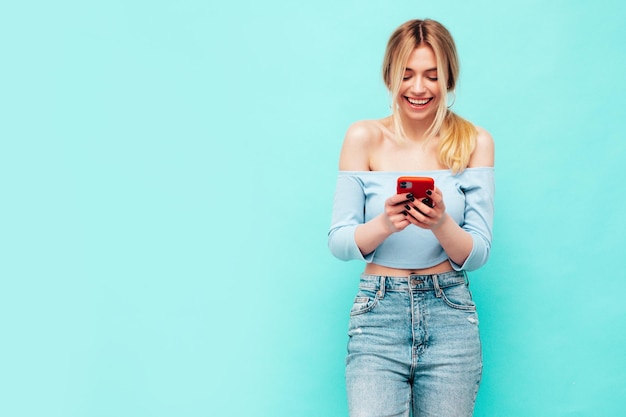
(414, 346)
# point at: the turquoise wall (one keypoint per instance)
(167, 172)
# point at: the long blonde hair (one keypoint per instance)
(457, 136)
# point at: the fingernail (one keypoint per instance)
(406, 206)
(410, 197)
(428, 202)
(429, 192)
(405, 213)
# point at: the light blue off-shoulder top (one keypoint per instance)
(360, 196)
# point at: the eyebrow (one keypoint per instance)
(429, 69)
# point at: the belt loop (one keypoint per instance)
(436, 285)
(381, 288)
(467, 281)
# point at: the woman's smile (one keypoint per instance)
(418, 103)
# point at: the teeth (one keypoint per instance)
(418, 102)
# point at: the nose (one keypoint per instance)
(418, 85)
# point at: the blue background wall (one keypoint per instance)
(167, 172)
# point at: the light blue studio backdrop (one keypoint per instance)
(167, 172)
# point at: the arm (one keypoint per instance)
(468, 245)
(350, 237)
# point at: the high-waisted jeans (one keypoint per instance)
(414, 346)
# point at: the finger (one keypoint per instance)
(394, 212)
(428, 201)
(412, 207)
(424, 207)
(427, 216)
(420, 220)
(400, 198)
(414, 215)
(400, 222)
(435, 195)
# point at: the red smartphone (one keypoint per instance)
(416, 186)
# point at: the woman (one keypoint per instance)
(414, 342)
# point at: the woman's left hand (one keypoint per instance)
(420, 213)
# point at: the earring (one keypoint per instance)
(453, 98)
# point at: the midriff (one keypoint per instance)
(375, 269)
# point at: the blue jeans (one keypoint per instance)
(414, 346)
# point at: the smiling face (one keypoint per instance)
(420, 93)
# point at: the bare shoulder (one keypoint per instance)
(360, 138)
(484, 153)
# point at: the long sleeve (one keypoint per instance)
(360, 196)
(478, 220)
(348, 213)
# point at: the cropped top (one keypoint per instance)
(360, 196)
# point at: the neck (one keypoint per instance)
(416, 131)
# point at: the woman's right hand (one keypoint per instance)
(395, 213)
(394, 218)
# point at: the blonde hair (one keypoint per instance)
(457, 136)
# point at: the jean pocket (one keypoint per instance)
(458, 297)
(363, 303)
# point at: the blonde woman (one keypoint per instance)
(414, 342)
